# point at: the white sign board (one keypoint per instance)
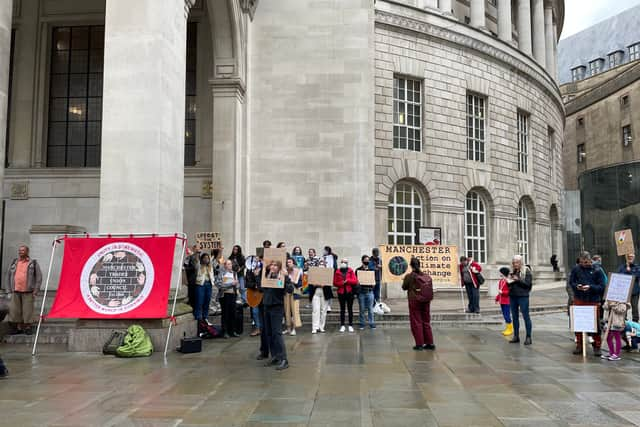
(584, 318)
(619, 288)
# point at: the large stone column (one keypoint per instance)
(549, 40)
(538, 32)
(504, 21)
(478, 14)
(445, 7)
(142, 172)
(524, 26)
(6, 12)
(229, 159)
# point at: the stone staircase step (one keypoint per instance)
(42, 339)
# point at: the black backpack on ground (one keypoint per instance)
(113, 342)
(238, 319)
(207, 331)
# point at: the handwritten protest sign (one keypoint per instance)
(320, 276)
(440, 262)
(584, 318)
(624, 242)
(208, 240)
(366, 278)
(274, 255)
(619, 287)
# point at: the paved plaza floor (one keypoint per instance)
(369, 378)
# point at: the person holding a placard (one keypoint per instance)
(632, 269)
(273, 302)
(229, 287)
(588, 289)
(205, 277)
(469, 271)
(520, 281)
(375, 264)
(365, 296)
(614, 313)
(345, 280)
(312, 261)
(292, 300)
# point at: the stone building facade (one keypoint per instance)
(347, 124)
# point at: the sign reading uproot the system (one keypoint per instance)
(619, 288)
(274, 255)
(584, 318)
(320, 276)
(624, 242)
(366, 278)
(439, 262)
(208, 240)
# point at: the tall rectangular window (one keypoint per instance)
(190, 101)
(578, 73)
(75, 97)
(582, 153)
(476, 125)
(626, 136)
(634, 52)
(523, 142)
(595, 67)
(407, 114)
(551, 135)
(11, 55)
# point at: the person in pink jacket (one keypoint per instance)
(503, 299)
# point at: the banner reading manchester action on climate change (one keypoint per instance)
(440, 262)
(114, 278)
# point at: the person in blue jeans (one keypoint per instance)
(365, 297)
(375, 264)
(520, 281)
(204, 281)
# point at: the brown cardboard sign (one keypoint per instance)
(366, 278)
(208, 240)
(320, 276)
(439, 262)
(624, 242)
(278, 256)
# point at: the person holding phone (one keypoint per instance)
(588, 287)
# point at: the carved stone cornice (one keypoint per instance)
(447, 32)
(228, 87)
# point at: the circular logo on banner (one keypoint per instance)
(398, 266)
(117, 278)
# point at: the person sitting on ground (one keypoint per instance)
(632, 333)
(345, 280)
(503, 299)
(419, 305)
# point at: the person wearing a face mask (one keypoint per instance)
(375, 264)
(345, 280)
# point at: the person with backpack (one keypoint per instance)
(419, 287)
(471, 279)
(24, 279)
(520, 281)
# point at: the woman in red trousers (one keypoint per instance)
(419, 289)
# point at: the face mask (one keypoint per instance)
(326, 253)
(205, 261)
(343, 266)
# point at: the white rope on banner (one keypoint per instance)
(44, 296)
(172, 319)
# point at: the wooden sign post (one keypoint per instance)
(584, 318)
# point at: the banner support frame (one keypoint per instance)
(44, 296)
(175, 300)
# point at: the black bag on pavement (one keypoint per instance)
(190, 345)
(480, 278)
(238, 325)
(115, 340)
(3, 369)
(207, 331)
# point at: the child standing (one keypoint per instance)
(614, 313)
(503, 299)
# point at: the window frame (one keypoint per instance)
(406, 142)
(475, 208)
(190, 117)
(416, 212)
(626, 135)
(578, 73)
(523, 232)
(523, 121)
(582, 153)
(476, 107)
(595, 67)
(634, 51)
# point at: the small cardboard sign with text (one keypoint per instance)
(274, 255)
(439, 262)
(366, 278)
(320, 276)
(208, 240)
(624, 242)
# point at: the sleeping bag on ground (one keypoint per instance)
(137, 343)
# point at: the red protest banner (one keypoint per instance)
(114, 278)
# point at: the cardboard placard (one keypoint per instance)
(439, 262)
(320, 276)
(208, 240)
(366, 278)
(584, 318)
(624, 242)
(430, 235)
(270, 255)
(619, 287)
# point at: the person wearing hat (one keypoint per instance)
(503, 299)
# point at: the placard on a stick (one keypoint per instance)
(209, 240)
(320, 276)
(624, 242)
(619, 287)
(366, 278)
(584, 318)
(271, 255)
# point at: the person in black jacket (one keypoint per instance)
(588, 288)
(520, 281)
(273, 301)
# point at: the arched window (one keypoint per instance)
(523, 232)
(405, 214)
(475, 236)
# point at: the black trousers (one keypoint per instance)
(3, 368)
(346, 301)
(473, 294)
(273, 316)
(228, 312)
(634, 307)
(191, 294)
(264, 336)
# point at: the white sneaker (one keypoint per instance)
(314, 331)
(322, 331)
(350, 328)
(342, 328)
(328, 308)
(285, 332)
(293, 333)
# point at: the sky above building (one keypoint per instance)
(581, 14)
